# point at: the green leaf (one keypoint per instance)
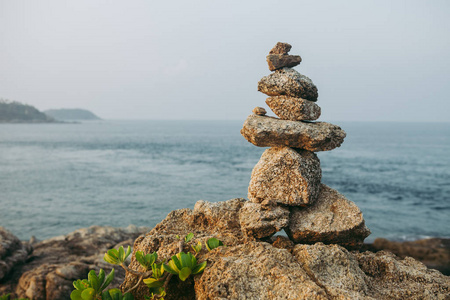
(112, 257)
(186, 260)
(169, 269)
(150, 258)
(199, 268)
(127, 253)
(88, 294)
(140, 258)
(108, 280)
(93, 279)
(197, 248)
(128, 296)
(153, 283)
(121, 254)
(184, 273)
(106, 296)
(176, 262)
(213, 243)
(76, 295)
(101, 276)
(188, 237)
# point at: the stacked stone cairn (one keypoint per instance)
(285, 189)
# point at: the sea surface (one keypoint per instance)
(55, 178)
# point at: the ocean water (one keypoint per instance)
(55, 178)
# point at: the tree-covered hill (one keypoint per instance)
(15, 112)
(71, 114)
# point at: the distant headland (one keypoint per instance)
(16, 112)
(71, 114)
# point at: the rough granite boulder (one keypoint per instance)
(294, 109)
(335, 269)
(13, 252)
(265, 131)
(288, 82)
(390, 277)
(333, 219)
(206, 220)
(258, 221)
(55, 263)
(255, 271)
(287, 176)
(279, 61)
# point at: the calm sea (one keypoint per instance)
(55, 178)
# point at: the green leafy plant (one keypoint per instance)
(117, 257)
(183, 265)
(156, 274)
(93, 288)
(213, 243)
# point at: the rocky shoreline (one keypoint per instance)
(46, 269)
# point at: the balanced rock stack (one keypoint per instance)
(285, 189)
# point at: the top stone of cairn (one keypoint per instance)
(281, 48)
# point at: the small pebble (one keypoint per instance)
(259, 111)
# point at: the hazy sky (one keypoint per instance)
(371, 60)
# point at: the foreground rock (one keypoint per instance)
(433, 252)
(12, 252)
(272, 132)
(206, 220)
(295, 109)
(335, 269)
(392, 278)
(333, 219)
(288, 82)
(345, 275)
(255, 271)
(260, 222)
(287, 176)
(55, 263)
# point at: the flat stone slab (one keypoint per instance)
(263, 131)
(278, 61)
(333, 219)
(259, 222)
(288, 82)
(294, 109)
(286, 176)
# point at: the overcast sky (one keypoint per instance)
(371, 60)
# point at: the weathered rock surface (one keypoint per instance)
(265, 131)
(433, 252)
(55, 263)
(294, 109)
(278, 61)
(333, 219)
(255, 271)
(260, 111)
(346, 275)
(206, 220)
(288, 82)
(259, 222)
(334, 269)
(12, 252)
(281, 48)
(287, 176)
(389, 277)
